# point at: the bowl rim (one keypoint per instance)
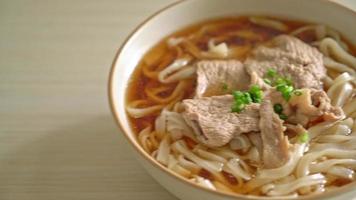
(164, 169)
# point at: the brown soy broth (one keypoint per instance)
(341, 182)
(230, 178)
(214, 28)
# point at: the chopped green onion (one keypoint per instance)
(241, 99)
(278, 108)
(286, 96)
(281, 87)
(304, 137)
(225, 87)
(288, 81)
(237, 95)
(267, 81)
(282, 84)
(283, 81)
(280, 81)
(257, 100)
(298, 93)
(237, 107)
(286, 91)
(255, 88)
(271, 72)
(247, 98)
(283, 116)
(256, 93)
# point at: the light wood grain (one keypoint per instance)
(57, 137)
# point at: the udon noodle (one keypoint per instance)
(166, 76)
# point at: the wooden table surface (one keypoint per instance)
(57, 137)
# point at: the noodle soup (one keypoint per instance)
(250, 105)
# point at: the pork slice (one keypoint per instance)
(220, 77)
(313, 104)
(291, 58)
(275, 144)
(214, 123)
(322, 101)
(256, 140)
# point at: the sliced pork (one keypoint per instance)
(274, 143)
(214, 123)
(291, 58)
(311, 105)
(256, 140)
(220, 77)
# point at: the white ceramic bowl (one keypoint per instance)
(184, 13)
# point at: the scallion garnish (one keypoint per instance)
(284, 85)
(241, 99)
(247, 98)
(256, 93)
(288, 81)
(298, 93)
(283, 81)
(237, 107)
(237, 95)
(278, 108)
(267, 81)
(285, 90)
(271, 72)
(283, 116)
(225, 87)
(304, 137)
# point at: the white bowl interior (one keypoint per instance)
(190, 12)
